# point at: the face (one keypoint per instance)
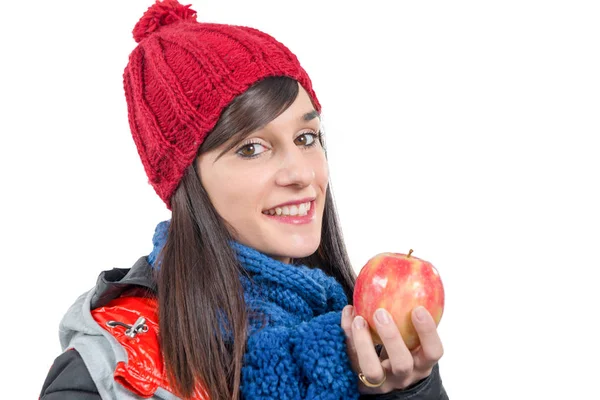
(276, 170)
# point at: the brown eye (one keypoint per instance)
(304, 141)
(249, 150)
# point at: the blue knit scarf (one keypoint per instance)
(300, 353)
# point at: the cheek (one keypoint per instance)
(235, 195)
(322, 172)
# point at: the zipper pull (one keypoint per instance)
(139, 326)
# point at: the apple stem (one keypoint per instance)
(409, 253)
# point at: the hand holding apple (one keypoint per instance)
(398, 283)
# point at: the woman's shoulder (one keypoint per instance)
(114, 354)
(69, 379)
(110, 335)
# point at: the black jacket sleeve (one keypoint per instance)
(69, 379)
(430, 388)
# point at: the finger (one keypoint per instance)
(399, 357)
(347, 318)
(431, 346)
(368, 360)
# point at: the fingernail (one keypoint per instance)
(382, 316)
(348, 311)
(359, 322)
(420, 313)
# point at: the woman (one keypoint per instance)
(248, 280)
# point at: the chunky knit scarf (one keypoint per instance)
(300, 353)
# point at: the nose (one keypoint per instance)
(296, 169)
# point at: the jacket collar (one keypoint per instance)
(112, 283)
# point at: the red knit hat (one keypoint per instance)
(182, 75)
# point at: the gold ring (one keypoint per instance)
(364, 380)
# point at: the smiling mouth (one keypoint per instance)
(296, 210)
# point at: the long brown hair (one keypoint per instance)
(199, 290)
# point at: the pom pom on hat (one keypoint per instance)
(160, 14)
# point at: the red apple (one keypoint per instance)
(398, 283)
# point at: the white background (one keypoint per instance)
(466, 131)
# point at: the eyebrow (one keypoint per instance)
(309, 116)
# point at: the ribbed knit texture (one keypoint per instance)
(301, 351)
(180, 78)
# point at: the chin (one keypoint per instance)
(296, 249)
(302, 250)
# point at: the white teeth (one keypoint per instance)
(294, 210)
(302, 209)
